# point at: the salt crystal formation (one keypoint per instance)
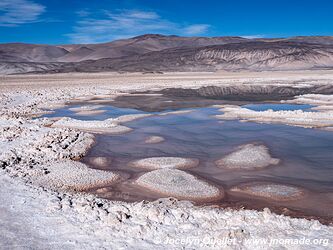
(154, 139)
(73, 176)
(165, 162)
(272, 191)
(106, 126)
(290, 117)
(111, 125)
(179, 184)
(248, 157)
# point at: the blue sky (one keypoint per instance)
(94, 21)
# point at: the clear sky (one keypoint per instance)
(94, 21)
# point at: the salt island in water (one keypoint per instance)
(256, 163)
(232, 158)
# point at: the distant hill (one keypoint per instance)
(154, 52)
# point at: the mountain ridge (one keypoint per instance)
(155, 52)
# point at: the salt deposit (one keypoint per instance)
(179, 184)
(99, 161)
(165, 162)
(107, 126)
(73, 176)
(85, 108)
(33, 214)
(154, 139)
(272, 191)
(177, 112)
(290, 117)
(131, 117)
(110, 126)
(248, 157)
(90, 112)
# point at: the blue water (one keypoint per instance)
(278, 107)
(306, 154)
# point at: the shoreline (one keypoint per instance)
(81, 208)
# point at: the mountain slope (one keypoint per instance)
(279, 55)
(170, 53)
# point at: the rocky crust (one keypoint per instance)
(154, 139)
(179, 184)
(165, 162)
(26, 143)
(73, 176)
(278, 192)
(248, 157)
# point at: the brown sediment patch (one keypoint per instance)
(99, 161)
(273, 191)
(179, 184)
(154, 139)
(73, 176)
(165, 162)
(248, 157)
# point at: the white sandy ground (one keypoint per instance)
(165, 162)
(37, 218)
(270, 190)
(248, 157)
(179, 184)
(154, 139)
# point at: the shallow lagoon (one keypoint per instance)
(306, 154)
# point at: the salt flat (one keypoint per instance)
(94, 223)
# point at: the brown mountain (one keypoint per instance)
(171, 53)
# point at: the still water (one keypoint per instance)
(305, 154)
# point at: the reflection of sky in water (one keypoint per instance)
(306, 154)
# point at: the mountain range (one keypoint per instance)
(158, 53)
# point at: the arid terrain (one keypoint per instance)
(51, 199)
(157, 53)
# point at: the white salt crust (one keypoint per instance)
(165, 162)
(248, 157)
(179, 184)
(273, 191)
